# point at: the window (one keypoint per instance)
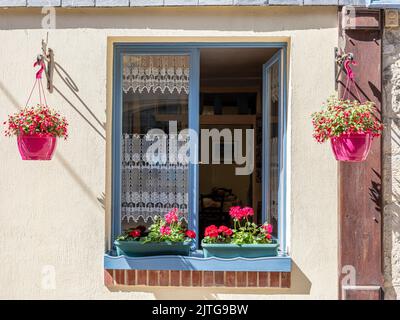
(394, 4)
(175, 89)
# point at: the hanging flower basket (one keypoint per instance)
(36, 147)
(352, 147)
(37, 128)
(350, 126)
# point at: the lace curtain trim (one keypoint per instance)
(150, 190)
(166, 74)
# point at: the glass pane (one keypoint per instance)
(273, 110)
(155, 96)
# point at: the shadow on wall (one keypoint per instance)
(300, 285)
(258, 18)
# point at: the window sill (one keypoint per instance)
(196, 262)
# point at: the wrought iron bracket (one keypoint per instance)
(47, 56)
(340, 59)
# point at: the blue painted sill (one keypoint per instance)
(196, 262)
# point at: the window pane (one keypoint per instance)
(155, 96)
(273, 76)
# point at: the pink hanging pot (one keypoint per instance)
(36, 147)
(352, 147)
(37, 128)
(350, 125)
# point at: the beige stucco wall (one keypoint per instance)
(52, 215)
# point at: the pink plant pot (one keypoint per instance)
(351, 147)
(36, 147)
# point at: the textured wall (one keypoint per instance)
(391, 161)
(52, 216)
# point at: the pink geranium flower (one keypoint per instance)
(267, 228)
(165, 230)
(247, 212)
(236, 212)
(172, 216)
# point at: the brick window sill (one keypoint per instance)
(195, 271)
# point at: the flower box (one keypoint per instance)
(166, 236)
(136, 248)
(229, 250)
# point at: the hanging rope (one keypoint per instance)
(38, 82)
(350, 80)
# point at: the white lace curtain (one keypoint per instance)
(151, 74)
(275, 82)
(274, 178)
(150, 189)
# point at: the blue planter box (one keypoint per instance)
(228, 250)
(140, 249)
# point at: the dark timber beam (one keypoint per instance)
(360, 207)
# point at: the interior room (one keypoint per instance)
(231, 90)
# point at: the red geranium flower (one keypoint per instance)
(191, 234)
(135, 233)
(211, 231)
(227, 232)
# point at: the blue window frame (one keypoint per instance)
(119, 51)
(387, 4)
(277, 59)
(281, 263)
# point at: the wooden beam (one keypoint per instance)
(360, 194)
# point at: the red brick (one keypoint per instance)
(186, 278)
(153, 278)
(252, 279)
(164, 278)
(274, 279)
(219, 278)
(263, 278)
(230, 279)
(130, 277)
(141, 277)
(208, 278)
(175, 278)
(197, 278)
(241, 279)
(285, 279)
(108, 277)
(120, 277)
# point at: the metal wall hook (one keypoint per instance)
(340, 59)
(47, 57)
